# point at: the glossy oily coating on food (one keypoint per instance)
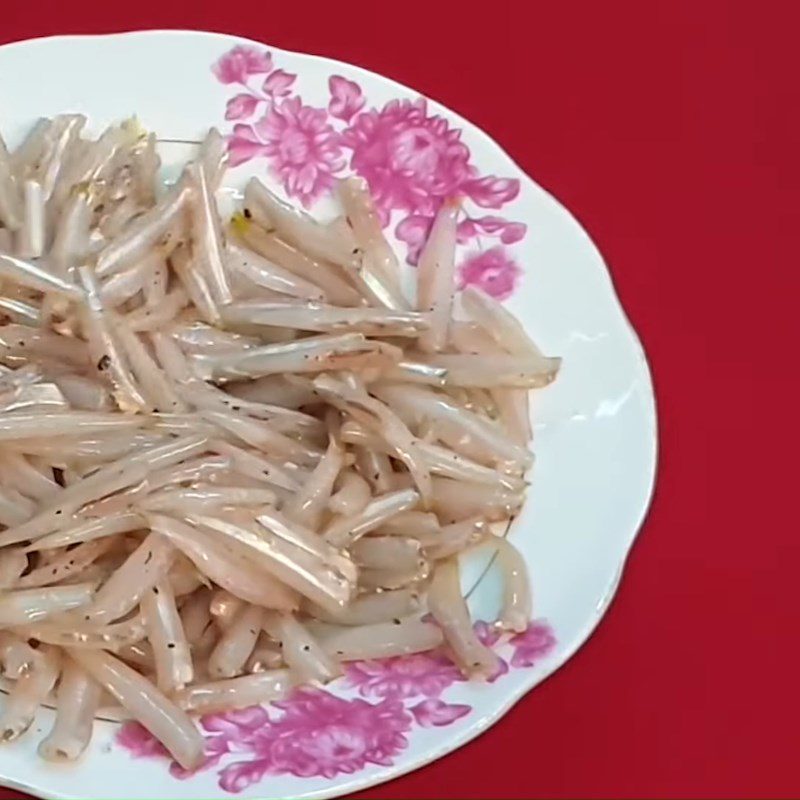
(234, 453)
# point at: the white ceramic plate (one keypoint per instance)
(299, 121)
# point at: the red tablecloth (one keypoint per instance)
(671, 129)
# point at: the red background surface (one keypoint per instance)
(672, 132)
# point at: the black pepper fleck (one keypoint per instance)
(170, 645)
(104, 363)
(248, 214)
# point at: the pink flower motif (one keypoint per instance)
(493, 271)
(346, 98)
(236, 724)
(244, 145)
(238, 64)
(238, 776)
(466, 230)
(139, 742)
(278, 83)
(233, 731)
(411, 161)
(320, 734)
(241, 106)
(488, 634)
(508, 232)
(427, 674)
(437, 713)
(491, 192)
(216, 747)
(414, 231)
(302, 148)
(532, 644)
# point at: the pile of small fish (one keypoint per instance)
(234, 453)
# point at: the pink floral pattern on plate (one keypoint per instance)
(492, 270)
(364, 719)
(411, 158)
